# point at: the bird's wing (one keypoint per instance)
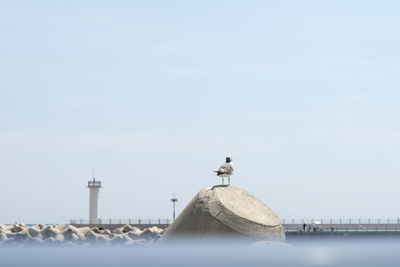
(225, 168)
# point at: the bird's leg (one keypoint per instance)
(222, 180)
(229, 180)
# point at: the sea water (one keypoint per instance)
(210, 252)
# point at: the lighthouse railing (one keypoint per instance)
(94, 183)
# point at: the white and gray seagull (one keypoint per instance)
(226, 170)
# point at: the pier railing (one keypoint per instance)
(122, 221)
(341, 221)
(341, 225)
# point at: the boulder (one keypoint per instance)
(135, 235)
(22, 235)
(103, 239)
(91, 236)
(16, 228)
(228, 211)
(71, 237)
(117, 239)
(107, 232)
(3, 236)
(117, 231)
(127, 228)
(127, 239)
(96, 230)
(49, 231)
(60, 227)
(71, 233)
(85, 230)
(34, 232)
(136, 231)
(10, 235)
(59, 237)
(148, 235)
(156, 230)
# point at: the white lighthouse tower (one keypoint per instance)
(94, 189)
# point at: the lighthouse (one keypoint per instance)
(94, 189)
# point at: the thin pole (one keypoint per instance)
(174, 211)
(173, 200)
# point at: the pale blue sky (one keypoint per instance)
(152, 97)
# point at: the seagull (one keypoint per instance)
(226, 170)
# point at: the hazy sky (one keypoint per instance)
(152, 95)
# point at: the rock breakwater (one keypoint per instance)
(61, 234)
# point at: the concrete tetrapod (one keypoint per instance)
(227, 210)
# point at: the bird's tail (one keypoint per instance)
(215, 171)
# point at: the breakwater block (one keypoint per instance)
(227, 210)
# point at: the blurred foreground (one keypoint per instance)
(211, 252)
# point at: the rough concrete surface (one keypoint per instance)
(227, 210)
(20, 234)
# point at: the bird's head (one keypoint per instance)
(228, 159)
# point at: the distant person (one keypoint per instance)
(304, 227)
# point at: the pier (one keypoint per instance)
(339, 228)
(293, 227)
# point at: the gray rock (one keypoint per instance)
(134, 235)
(22, 235)
(117, 231)
(107, 232)
(95, 230)
(16, 228)
(33, 232)
(73, 237)
(59, 237)
(103, 239)
(127, 228)
(60, 227)
(227, 210)
(3, 237)
(85, 230)
(91, 236)
(49, 231)
(117, 239)
(3, 227)
(148, 235)
(127, 239)
(10, 235)
(71, 233)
